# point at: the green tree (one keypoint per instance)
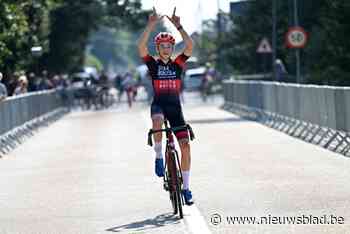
(206, 46)
(73, 22)
(117, 47)
(330, 45)
(92, 61)
(325, 56)
(23, 24)
(62, 28)
(13, 29)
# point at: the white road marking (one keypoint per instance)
(195, 221)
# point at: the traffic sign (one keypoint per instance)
(264, 47)
(296, 37)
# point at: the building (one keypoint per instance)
(238, 8)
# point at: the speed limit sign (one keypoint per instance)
(296, 37)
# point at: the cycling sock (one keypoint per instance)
(186, 178)
(158, 149)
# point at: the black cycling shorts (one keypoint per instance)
(173, 113)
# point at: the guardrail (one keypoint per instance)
(317, 114)
(21, 115)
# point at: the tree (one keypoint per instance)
(117, 47)
(73, 22)
(13, 28)
(23, 24)
(325, 56)
(332, 46)
(206, 43)
(62, 28)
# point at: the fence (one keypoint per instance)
(317, 114)
(20, 115)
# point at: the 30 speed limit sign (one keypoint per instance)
(296, 37)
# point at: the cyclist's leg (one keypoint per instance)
(176, 119)
(129, 96)
(120, 93)
(157, 122)
(174, 115)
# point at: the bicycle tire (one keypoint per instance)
(171, 173)
(176, 184)
(179, 197)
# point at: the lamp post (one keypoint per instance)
(218, 49)
(37, 52)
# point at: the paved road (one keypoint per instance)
(91, 172)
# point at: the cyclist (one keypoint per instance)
(166, 81)
(129, 85)
(206, 82)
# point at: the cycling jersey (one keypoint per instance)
(166, 78)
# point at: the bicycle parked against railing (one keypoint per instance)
(172, 180)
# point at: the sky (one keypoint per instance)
(191, 12)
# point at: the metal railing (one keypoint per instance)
(20, 115)
(318, 114)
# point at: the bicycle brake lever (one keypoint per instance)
(191, 132)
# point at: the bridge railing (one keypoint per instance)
(19, 115)
(306, 111)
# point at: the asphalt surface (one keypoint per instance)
(92, 172)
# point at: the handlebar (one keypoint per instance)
(184, 127)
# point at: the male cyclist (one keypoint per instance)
(166, 80)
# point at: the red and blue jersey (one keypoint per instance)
(166, 78)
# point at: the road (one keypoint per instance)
(92, 172)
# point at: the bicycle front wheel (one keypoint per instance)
(176, 177)
(179, 196)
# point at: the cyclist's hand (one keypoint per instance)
(175, 19)
(154, 17)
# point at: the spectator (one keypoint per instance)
(11, 83)
(3, 90)
(31, 82)
(55, 80)
(44, 83)
(118, 85)
(129, 85)
(281, 71)
(61, 86)
(103, 79)
(21, 86)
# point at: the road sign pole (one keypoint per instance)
(274, 26)
(297, 52)
(296, 38)
(264, 49)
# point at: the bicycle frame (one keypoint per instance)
(173, 173)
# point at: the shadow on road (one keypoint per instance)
(213, 121)
(152, 223)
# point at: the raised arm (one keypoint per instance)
(143, 41)
(187, 39)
